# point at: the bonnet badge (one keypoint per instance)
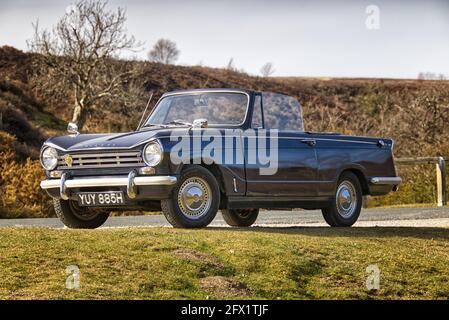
(68, 160)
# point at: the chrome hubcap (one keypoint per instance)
(346, 199)
(194, 197)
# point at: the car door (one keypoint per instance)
(297, 163)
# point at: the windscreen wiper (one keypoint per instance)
(149, 125)
(180, 122)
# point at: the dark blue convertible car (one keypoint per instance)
(200, 151)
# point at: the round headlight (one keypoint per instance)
(49, 158)
(152, 153)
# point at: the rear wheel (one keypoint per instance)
(347, 203)
(76, 217)
(195, 199)
(240, 217)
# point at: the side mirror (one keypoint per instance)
(72, 128)
(199, 123)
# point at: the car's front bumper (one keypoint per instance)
(135, 186)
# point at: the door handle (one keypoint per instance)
(310, 142)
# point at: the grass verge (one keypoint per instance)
(215, 263)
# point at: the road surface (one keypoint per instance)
(397, 217)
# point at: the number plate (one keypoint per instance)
(110, 198)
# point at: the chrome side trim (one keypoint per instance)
(305, 138)
(343, 140)
(386, 180)
(121, 181)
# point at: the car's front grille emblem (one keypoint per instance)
(68, 160)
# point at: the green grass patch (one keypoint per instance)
(216, 263)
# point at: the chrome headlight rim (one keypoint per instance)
(154, 142)
(42, 161)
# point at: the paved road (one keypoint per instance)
(404, 217)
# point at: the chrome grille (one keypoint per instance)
(101, 160)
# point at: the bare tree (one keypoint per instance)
(164, 51)
(267, 69)
(77, 53)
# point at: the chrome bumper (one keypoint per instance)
(131, 182)
(386, 180)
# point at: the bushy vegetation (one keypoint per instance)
(20, 194)
(414, 113)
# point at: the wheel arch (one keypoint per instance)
(358, 172)
(217, 173)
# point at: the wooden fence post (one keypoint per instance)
(441, 182)
(440, 164)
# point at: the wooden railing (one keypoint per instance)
(440, 164)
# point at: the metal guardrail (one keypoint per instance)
(440, 165)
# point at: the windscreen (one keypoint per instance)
(220, 108)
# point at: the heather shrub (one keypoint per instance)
(20, 193)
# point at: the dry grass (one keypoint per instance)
(262, 263)
(223, 286)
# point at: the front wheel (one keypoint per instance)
(76, 217)
(240, 217)
(195, 199)
(347, 203)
